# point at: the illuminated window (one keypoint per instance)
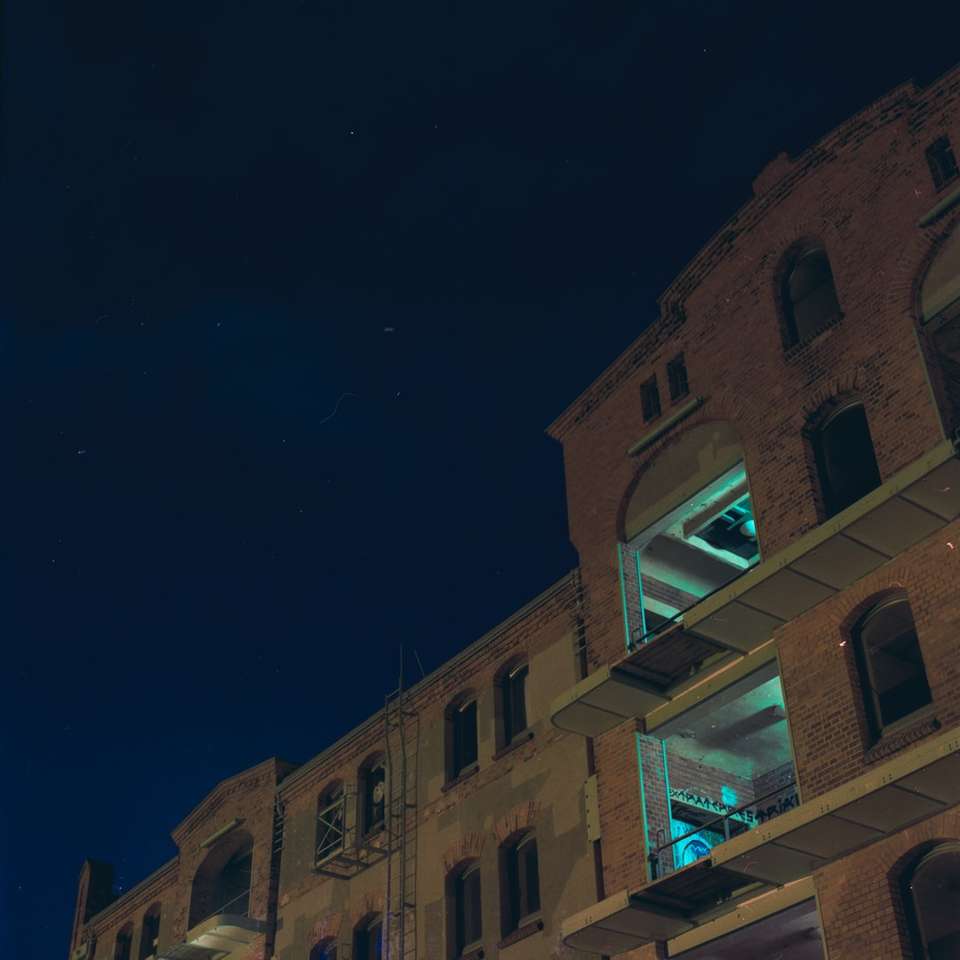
(677, 377)
(942, 163)
(330, 810)
(511, 690)
(368, 939)
(933, 889)
(650, 399)
(373, 789)
(845, 459)
(520, 870)
(150, 932)
(461, 736)
(464, 900)
(121, 948)
(891, 663)
(809, 297)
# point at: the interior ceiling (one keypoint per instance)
(747, 736)
(793, 934)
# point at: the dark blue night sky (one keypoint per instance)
(222, 217)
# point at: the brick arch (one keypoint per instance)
(848, 606)
(520, 818)
(370, 903)
(468, 847)
(327, 928)
(913, 264)
(846, 385)
(725, 408)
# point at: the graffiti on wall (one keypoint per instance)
(751, 816)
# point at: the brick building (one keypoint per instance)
(734, 730)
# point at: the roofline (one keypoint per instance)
(558, 428)
(138, 889)
(471, 650)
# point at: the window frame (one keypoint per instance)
(650, 404)
(151, 915)
(367, 805)
(879, 727)
(513, 708)
(793, 337)
(522, 902)
(460, 759)
(818, 434)
(123, 942)
(460, 902)
(914, 911)
(364, 945)
(678, 382)
(939, 171)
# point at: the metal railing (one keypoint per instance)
(731, 823)
(330, 830)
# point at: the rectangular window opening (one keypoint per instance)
(716, 771)
(650, 400)
(942, 162)
(677, 378)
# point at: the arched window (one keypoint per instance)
(121, 947)
(150, 932)
(326, 949)
(221, 884)
(461, 735)
(520, 881)
(330, 822)
(368, 938)
(510, 686)
(891, 665)
(372, 778)
(846, 463)
(464, 905)
(809, 296)
(934, 897)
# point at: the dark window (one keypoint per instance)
(368, 941)
(522, 882)
(809, 297)
(677, 377)
(462, 731)
(514, 702)
(121, 949)
(330, 808)
(891, 663)
(933, 890)
(149, 932)
(326, 950)
(373, 795)
(650, 399)
(845, 459)
(943, 164)
(467, 910)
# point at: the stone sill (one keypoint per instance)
(521, 933)
(524, 736)
(465, 774)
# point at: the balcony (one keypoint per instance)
(226, 933)
(894, 795)
(738, 618)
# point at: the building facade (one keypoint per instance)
(734, 730)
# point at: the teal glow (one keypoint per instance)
(666, 782)
(643, 812)
(749, 528)
(623, 595)
(643, 612)
(728, 795)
